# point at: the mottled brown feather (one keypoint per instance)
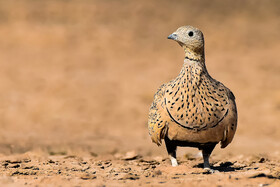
(193, 107)
(156, 123)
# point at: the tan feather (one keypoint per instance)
(193, 108)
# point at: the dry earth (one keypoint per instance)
(77, 79)
(135, 170)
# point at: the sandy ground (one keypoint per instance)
(77, 79)
(132, 169)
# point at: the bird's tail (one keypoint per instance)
(157, 132)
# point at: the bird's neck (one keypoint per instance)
(194, 55)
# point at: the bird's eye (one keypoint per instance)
(190, 33)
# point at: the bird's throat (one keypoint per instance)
(194, 55)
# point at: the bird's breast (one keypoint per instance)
(194, 101)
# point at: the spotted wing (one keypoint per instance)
(157, 117)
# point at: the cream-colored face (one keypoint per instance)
(188, 36)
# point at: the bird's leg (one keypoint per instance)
(206, 156)
(206, 152)
(173, 159)
(171, 149)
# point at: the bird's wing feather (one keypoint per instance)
(230, 121)
(157, 123)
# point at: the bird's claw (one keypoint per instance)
(210, 171)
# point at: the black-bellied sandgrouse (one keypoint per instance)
(194, 109)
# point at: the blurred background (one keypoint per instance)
(79, 76)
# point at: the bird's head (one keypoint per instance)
(191, 39)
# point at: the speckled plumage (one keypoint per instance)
(193, 109)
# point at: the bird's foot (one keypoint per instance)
(210, 171)
(174, 162)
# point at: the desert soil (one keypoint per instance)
(77, 79)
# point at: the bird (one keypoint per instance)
(194, 109)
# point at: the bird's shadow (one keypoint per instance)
(223, 167)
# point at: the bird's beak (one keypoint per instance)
(172, 36)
